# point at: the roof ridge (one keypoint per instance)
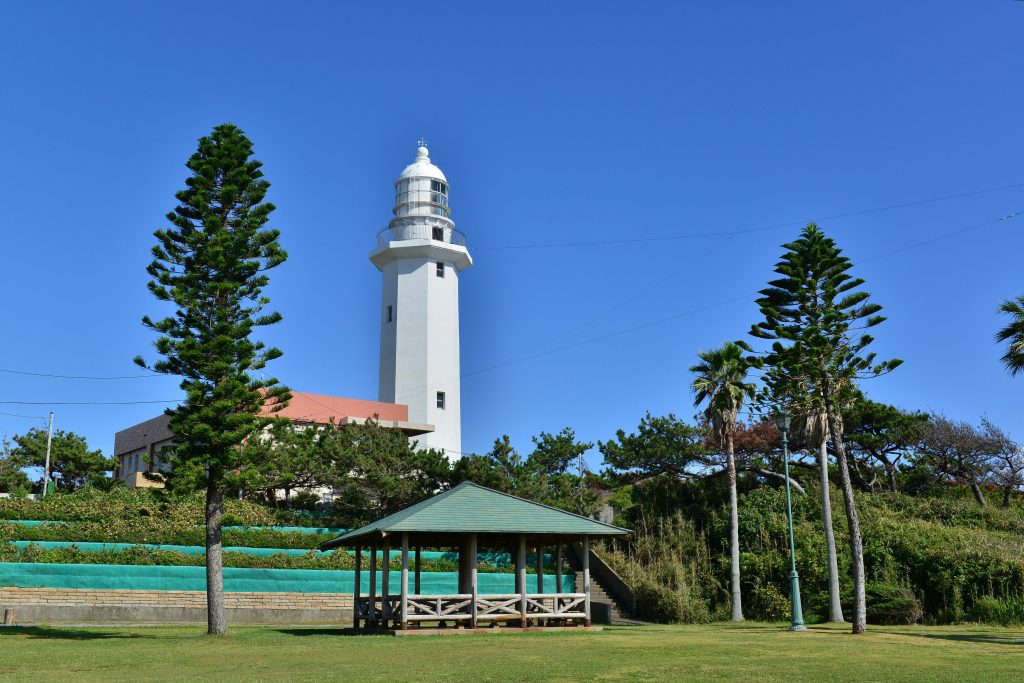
(533, 502)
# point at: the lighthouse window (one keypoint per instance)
(438, 186)
(438, 234)
(440, 269)
(440, 400)
(390, 316)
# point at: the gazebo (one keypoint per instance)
(470, 517)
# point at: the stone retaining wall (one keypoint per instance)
(36, 605)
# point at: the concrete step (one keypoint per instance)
(619, 615)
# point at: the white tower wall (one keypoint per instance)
(419, 347)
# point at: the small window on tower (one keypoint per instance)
(440, 400)
(390, 314)
(440, 269)
(438, 234)
(438, 186)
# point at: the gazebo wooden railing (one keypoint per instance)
(463, 518)
(464, 607)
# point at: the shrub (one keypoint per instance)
(1008, 611)
(147, 529)
(890, 605)
(669, 570)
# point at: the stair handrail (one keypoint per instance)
(609, 580)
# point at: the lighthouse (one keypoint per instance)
(421, 254)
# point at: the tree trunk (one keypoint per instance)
(890, 471)
(853, 521)
(216, 618)
(734, 532)
(857, 477)
(835, 606)
(978, 495)
(775, 475)
(1006, 496)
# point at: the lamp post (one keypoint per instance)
(797, 613)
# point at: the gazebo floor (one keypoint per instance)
(484, 629)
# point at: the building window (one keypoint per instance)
(438, 234)
(440, 400)
(390, 313)
(438, 186)
(440, 269)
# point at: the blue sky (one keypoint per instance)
(571, 133)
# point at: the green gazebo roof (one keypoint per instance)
(470, 508)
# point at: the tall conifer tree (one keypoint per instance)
(211, 265)
(817, 321)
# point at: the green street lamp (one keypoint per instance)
(797, 620)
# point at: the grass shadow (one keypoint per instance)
(330, 631)
(57, 633)
(980, 638)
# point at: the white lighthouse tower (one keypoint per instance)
(421, 255)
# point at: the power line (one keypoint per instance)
(1007, 217)
(518, 358)
(27, 417)
(624, 302)
(729, 233)
(701, 309)
(84, 403)
(54, 376)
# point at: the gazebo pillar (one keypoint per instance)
(558, 578)
(586, 580)
(472, 579)
(540, 568)
(521, 579)
(558, 567)
(540, 575)
(355, 589)
(416, 590)
(372, 614)
(404, 609)
(385, 576)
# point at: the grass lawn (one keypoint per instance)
(720, 652)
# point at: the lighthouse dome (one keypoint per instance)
(422, 167)
(421, 192)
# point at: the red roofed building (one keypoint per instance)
(137, 448)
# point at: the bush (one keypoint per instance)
(153, 530)
(1007, 611)
(91, 505)
(890, 605)
(669, 570)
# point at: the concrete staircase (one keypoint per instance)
(599, 594)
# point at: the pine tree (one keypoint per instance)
(816, 320)
(211, 266)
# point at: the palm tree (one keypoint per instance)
(721, 382)
(1013, 333)
(815, 432)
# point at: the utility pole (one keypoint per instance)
(583, 470)
(46, 470)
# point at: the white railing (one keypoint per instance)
(462, 607)
(420, 231)
(456, 607)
